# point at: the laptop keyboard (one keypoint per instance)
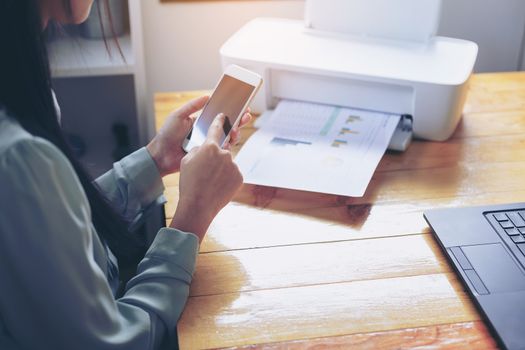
(512, 224)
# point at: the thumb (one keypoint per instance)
(193, 106)
(216, 132)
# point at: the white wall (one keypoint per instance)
(182, 39)
(496, 25)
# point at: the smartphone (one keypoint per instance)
(231, 96)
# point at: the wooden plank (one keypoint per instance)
(240, 226)
(457, 336)
(455, 152)
(471, 179)
(400, 186)
(403, 185)
(491, 124)
(286, 314)
(496, 92)
(303, 265)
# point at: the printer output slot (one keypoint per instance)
(402, 137)
(345, 92)
(351, 93)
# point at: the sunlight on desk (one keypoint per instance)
(304, 269)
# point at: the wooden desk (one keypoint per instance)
(296, 270)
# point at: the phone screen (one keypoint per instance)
(229, 98)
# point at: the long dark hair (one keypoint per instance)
(25, 93)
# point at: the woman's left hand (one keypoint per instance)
(166, 147)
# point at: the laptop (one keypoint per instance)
(486, 245)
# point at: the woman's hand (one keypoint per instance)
(166, 147)
(208, 181)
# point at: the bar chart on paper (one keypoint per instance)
(317, 148)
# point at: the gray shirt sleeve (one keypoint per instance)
(133, 185)
(54, 294)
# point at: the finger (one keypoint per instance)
(236, 140)
(246, 118)
(216, 132)
(193, 106)
(193, 117)
(234, 137)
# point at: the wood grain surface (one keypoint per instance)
(299, 270)
(457, 336)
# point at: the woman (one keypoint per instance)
(61, 234)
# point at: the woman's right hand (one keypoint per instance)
(208, 181)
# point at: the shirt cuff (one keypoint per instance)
(177, 247)
(143, 173)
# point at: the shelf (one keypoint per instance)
(80, 57)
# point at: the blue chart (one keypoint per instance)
(279, 141)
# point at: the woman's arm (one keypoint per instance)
(133, 185)
(54, 293)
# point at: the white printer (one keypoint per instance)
(380, 55)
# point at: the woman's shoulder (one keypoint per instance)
(13, 137)
(33, 170)
(11, 133)
(20, 150)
